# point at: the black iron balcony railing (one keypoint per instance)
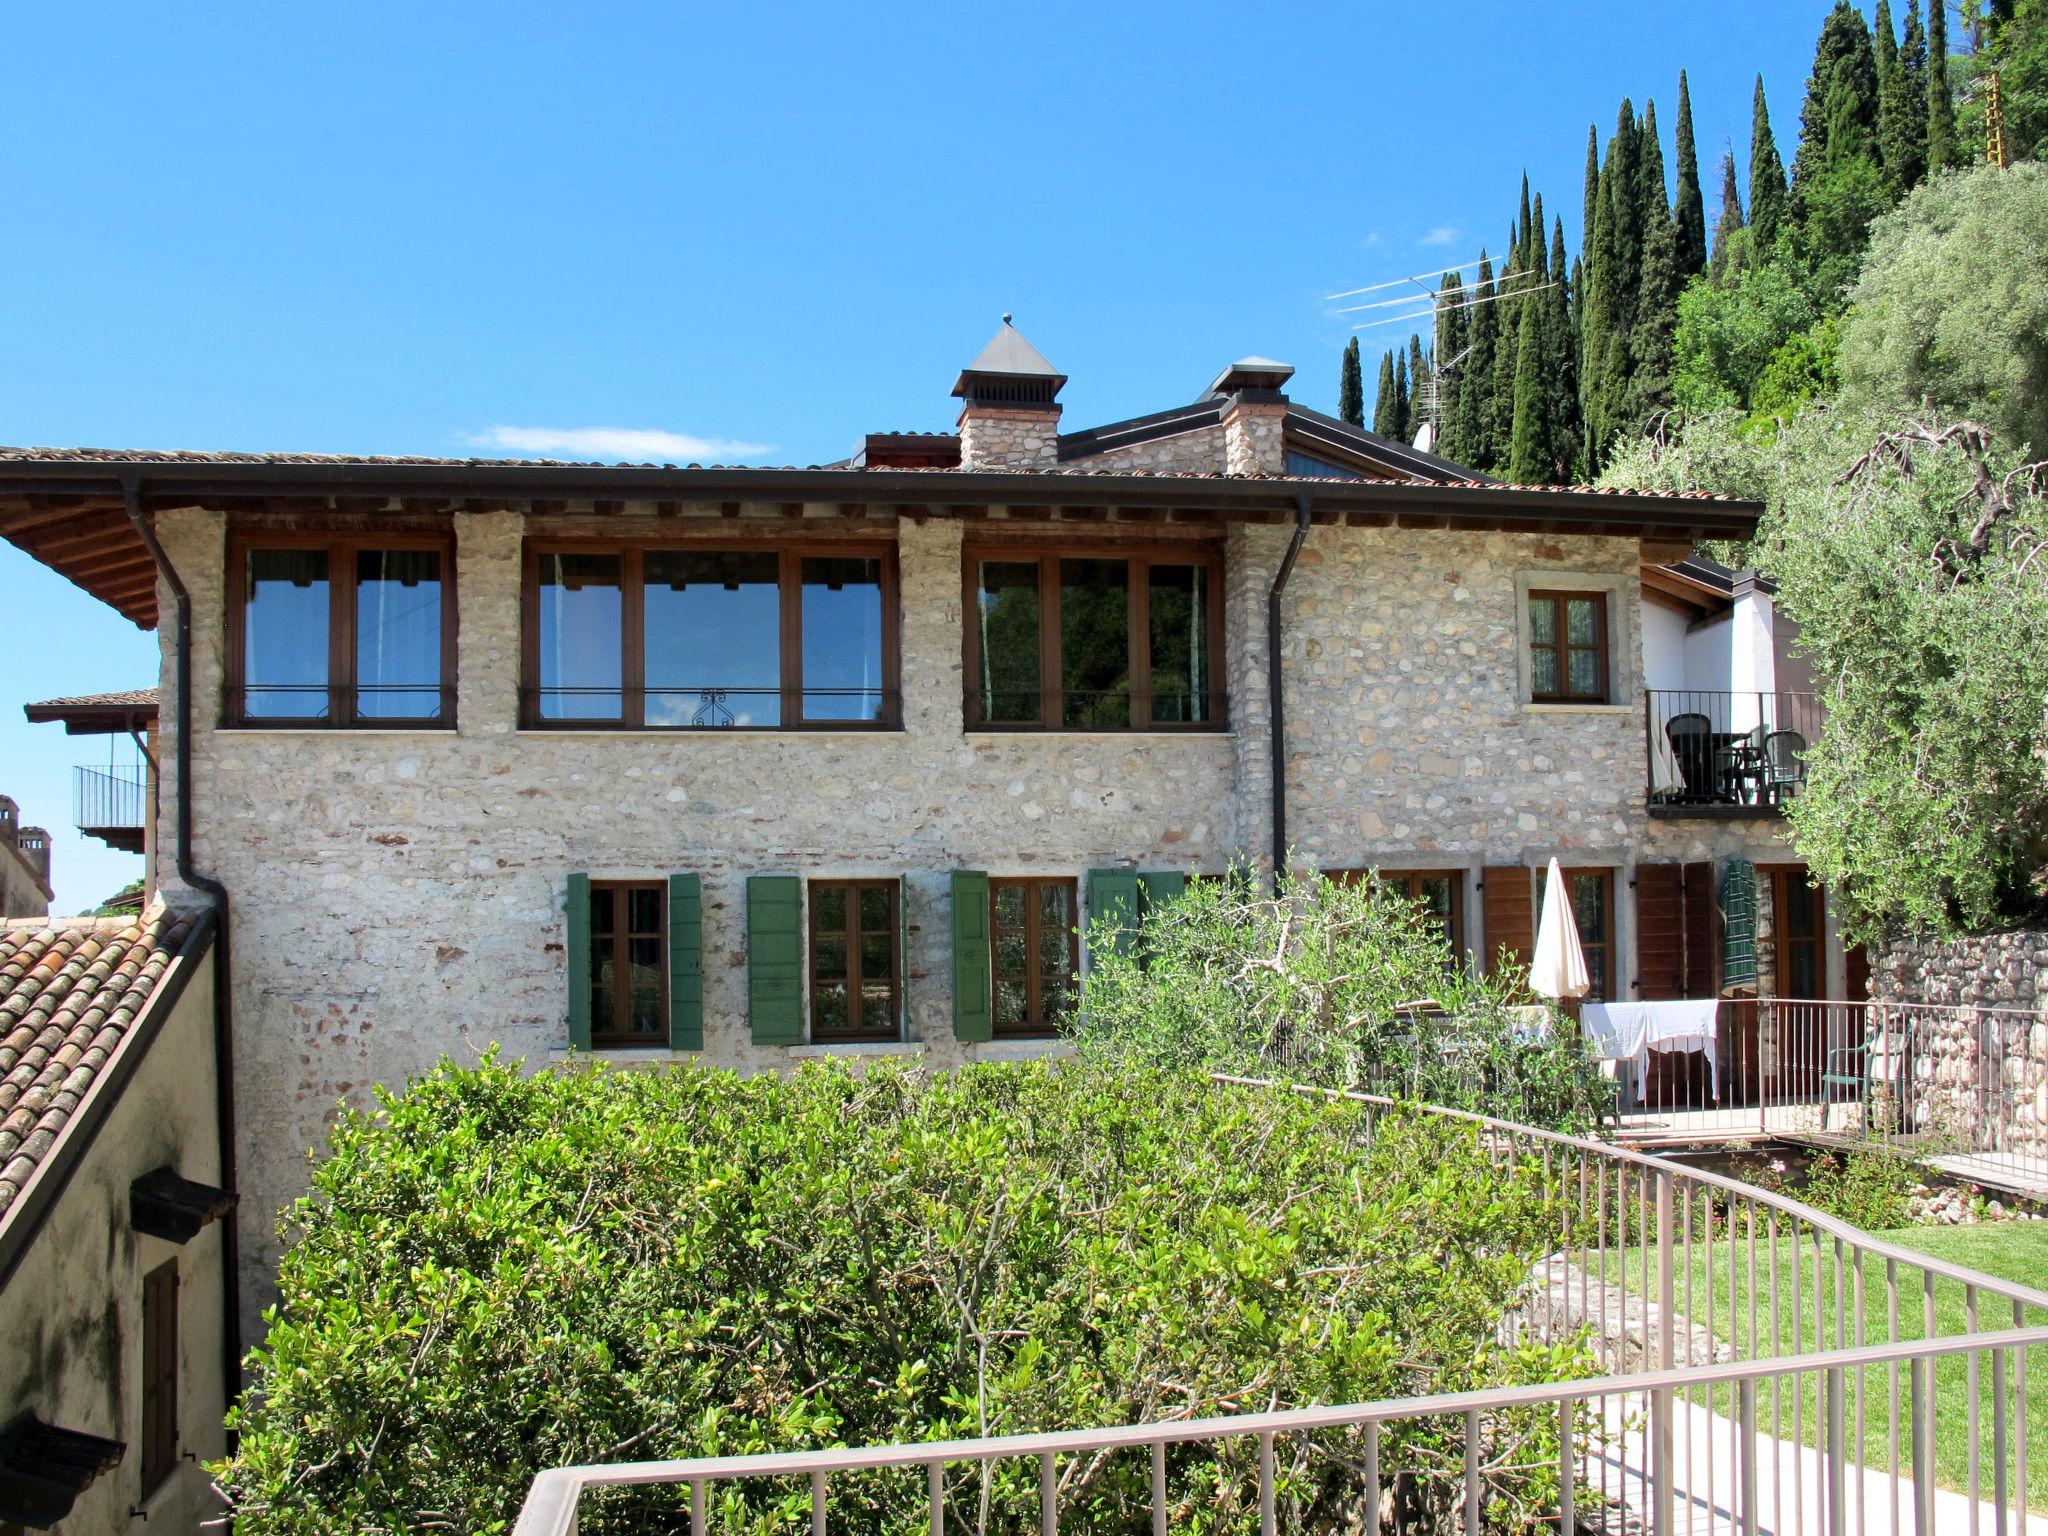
(1709, 750)
(108, 799)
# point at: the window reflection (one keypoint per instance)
(713, 638)
(1095, 642)
(398, 634)
(579, 637)
(842, 630)
(285, 635)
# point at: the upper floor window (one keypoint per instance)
(341, 631)
(1568, 647)
(1094, 642)
(684, 638)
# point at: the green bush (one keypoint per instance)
(1320, 984)
(495, 1273)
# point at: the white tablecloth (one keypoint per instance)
(1667, 778)
(1630, 1031)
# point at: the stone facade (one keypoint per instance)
(1254, 438)
(24, 865)
(399, 894)
(996, 437)
(1980, 1064)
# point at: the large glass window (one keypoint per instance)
(1093, 642)
(855, 959)
(1032, 960)
(341, 632)
(628, 962)
(708, 639)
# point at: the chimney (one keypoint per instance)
(1253, 442)
(34, 843)
(1009, 406)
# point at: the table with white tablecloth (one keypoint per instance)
(1630, 1031)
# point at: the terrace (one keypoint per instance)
(1766, 1367)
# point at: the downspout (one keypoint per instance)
(223, 990)
(1276, 703)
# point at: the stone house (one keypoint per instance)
(24, 865)
(117, 1309)
(760, 764)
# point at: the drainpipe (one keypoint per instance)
(1276, 703)
(223, 991)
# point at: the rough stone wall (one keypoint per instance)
(398, 894)
(1254, 439)
(1200, 449)
(994, 438)
(1980, 1063)
(71, 1314)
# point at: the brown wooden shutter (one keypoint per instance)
(1702, 933)
(1660, 930)
(159, 1375)
(1508, 910)
(1856, 958)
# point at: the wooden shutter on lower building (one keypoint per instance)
(685, 963)
(1161, 886)
(1508, 911)
(159, 1375)
(973, 1005)
(1702, 933)
(775, 959)
(903, 956)
(1113, 899)
(576, 939)
(1660, 931)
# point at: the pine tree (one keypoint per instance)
(1729, 222)
(1769, 203)
(1838, 123)
(1383, 421)
(1532, 454)
(1690, 213)
(1944, 148)
(1351, 387)
(1904, 155)
(1401, 396)
(1913, 63)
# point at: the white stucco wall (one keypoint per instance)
(71, 1313)
(1664, 648)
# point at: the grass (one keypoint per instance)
(2016, 1251)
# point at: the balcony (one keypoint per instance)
(111, 804)
(1727, 754)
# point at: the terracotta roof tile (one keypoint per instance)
(69, 993)
(131, 698)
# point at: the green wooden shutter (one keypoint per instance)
(685, 963)
(903, 956)
(974, 1015)
(775, 959)
(576, 941)
(1113, 899)
(1162, 886)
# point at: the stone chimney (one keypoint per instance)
(1009, 406)
(1253, 442)
(34, 844)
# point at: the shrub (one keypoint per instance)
(1320, 984)
(494, 1274)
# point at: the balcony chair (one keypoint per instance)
(1880, 1060)
(1692, 743)
(1784, 765)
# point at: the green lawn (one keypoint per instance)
(2007, 1250)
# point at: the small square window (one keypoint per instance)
(1568, 647)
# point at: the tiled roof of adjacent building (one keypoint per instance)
(72, 993)
(129, 698)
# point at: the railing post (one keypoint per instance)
(1475, 1503)
(1746, 1479)
(1662, 1400)
(1923, 1450)
(1837, 1486)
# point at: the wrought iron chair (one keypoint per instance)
(1880, 1060)
(1784, 765)
(1692, 743)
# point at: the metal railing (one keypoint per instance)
(1728, 748)
(1768, 1368)
(1961, 1085)
(104, 799)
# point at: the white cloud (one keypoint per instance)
(1443, 234)
(630, 444)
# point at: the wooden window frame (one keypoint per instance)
(1407, 881)
(619, 1034)
(1563, 649)
(343, 701)
(1604, 975)
(854, 1035)
(1036, 1025)
(159, 1395)
(1785, 879)
(632, 555)
(1138, 630)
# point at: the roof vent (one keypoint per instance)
(1011, 374)
(1256, 376)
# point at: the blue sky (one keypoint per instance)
(754, 231)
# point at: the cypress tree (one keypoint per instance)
(1729, 222)
(1944, 149)
(1913, 63)
(1592, 182)
(1904, 156)
(1561, 369)
(1690, 212)
(1418, 378)
(1532, 455)
(1383, 420)
(1401, 397)
(1475, 388)
(1769, 203)
(1657, 285)
(1522, 227)
(1453, 331)
(1838, 122)
(1351, 387)
(1500, 397)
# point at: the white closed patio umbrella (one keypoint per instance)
(1558, 968)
